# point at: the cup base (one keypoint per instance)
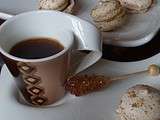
(67, 97)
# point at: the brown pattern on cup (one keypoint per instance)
(32, 82)
(31, 79)
(25, 68)
(35, 90)
(39, 100)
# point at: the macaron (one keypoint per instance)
(108, 15)
(106, 10)
(136, 6)
(60, 5)
(140, 102)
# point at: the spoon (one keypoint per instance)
(83, 84)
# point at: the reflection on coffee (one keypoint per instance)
(36, 48)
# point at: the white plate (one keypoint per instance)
(96, 106)
(140, 28)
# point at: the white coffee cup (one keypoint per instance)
(41, 80)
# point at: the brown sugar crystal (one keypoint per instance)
(83, 84)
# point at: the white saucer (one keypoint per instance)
(139, 30)
(96, 106)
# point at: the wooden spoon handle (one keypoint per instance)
(124, 77)
(153, 70)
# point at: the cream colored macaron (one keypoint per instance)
(60, 5)
(53, 4)
(108, 15)
(137, 6)
(112, 24)
(140, 102)
(106, 10)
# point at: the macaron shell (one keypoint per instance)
(100, 17)
(64, 6)
(106, 11)
(113, 24)
(137, 11)
(136, 6)
(53, 4)
(142, 10)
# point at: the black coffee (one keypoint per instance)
(36, 48)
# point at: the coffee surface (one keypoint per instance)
(36, 48)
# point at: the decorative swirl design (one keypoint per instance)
(32, 82)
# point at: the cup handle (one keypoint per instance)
(87, 38)
(5, 16)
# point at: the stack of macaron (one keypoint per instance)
(136, 6)
(60, 5)
(111, 14)
(108, 15)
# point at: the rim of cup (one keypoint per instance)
(34, 60)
